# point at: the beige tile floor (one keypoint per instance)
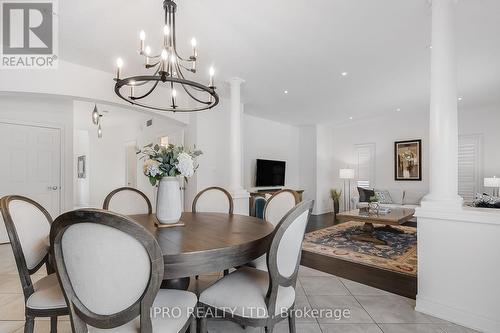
(372, 310)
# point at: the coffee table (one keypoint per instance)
(397, 216)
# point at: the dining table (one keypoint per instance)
(206, 243)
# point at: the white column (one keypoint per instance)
(443, 138)
(235, 132)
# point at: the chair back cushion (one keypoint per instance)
(32, 228)
(290, 245)
(108, 269)
(278, 205)
(213, 200)
(127, 202)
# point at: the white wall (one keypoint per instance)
(308, 161)
(383, 132)
(457, 271)
(106, 157)
(485, 121)
(265, 139)
(50, 111)
(81, 147)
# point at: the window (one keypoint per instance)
(469, 166)
(365, 164)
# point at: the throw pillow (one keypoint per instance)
(365, 194)
(384, 197)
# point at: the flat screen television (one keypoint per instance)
(270, 173)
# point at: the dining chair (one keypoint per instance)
(251, 297)
(28, 226)
(213, 199)
(258, 207)
(128, 201)
(277, 206)
(94, 250)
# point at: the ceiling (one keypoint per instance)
(301, 46)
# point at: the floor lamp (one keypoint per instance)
(347, 175)
(493, 182)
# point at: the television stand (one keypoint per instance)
(262, 193)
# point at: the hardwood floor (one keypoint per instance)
(393, 282)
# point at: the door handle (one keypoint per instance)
(53, 188)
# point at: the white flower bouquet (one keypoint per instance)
(170, 161)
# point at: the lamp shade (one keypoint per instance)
(492, 182)
(346, 173)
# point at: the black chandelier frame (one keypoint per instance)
(169, 72)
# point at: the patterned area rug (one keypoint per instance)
(399, 255)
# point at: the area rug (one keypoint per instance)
(399, 255)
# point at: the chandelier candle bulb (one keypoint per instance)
(148, 52)
(142, 37)
(164, 58)
(132, 84)
(193, 44)
(119, 65)
(212, 74)
(174, 95)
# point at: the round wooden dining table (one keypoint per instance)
(207, 242)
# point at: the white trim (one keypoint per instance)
(62, 155)
(457, 316)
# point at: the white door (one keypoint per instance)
(30, 165)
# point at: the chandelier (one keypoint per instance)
(167, 71)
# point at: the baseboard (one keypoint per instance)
(457, 316)
(321, 212)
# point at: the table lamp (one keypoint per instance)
(494, 183)
(347, 175)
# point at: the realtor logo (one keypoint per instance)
(28, 34)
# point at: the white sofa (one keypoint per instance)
(400, 199)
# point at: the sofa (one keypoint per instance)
(392, 198)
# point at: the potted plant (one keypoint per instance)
(335, 195)
(163, 166)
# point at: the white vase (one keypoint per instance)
(168, 201)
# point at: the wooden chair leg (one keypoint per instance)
(192, 326)
(196, 277)
(53, 324)
(291, 321)
(203, 324)
(29, 325)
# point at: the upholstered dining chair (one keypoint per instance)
(257, 298)
(128, 201)
(94, 250)
(28, 226)
(277, 206)
(213, 199)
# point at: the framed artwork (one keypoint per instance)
(81, 167)
(408, 160)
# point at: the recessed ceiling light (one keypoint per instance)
(430, 46)
(350, 118)
(398, 109)
(343, 73)
(460, 98)
(286, 91)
